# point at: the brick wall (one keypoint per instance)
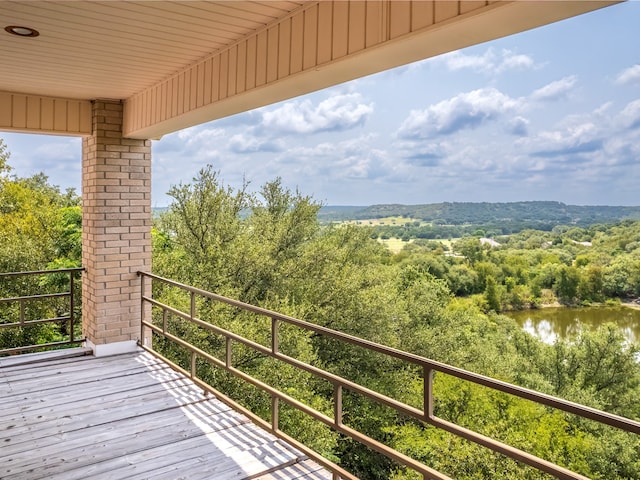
(116, 226)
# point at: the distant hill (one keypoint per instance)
(339, 213)
(508, 217)
(535, 214)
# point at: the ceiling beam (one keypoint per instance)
(37, 114)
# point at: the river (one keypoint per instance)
(552, 323)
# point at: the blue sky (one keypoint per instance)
(550, 114)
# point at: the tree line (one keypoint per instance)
(540, 213)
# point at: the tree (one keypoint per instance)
(491, 295)
(566, 286)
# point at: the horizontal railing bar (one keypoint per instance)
(335, 379)
(362, 438)
(522, 392)
(34, 322)
(41, 272)
(36, 297)
(37, 347)
(255, 418)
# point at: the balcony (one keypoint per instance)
(157, 412)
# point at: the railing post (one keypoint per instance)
(22, 312)
(274, 335)
(428, 393)
(337, 404)
(142, 315)
(227, 356)
(275, 413)
(71, 307)
(192, 311)
(165, 314)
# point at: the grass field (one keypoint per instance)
(395, 244)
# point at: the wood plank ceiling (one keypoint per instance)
(115, 49)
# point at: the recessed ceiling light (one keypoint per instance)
(21, 31)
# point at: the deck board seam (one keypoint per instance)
(126, 418)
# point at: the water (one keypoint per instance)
(550, 324)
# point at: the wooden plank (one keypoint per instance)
(261, 58)
(445, 10)
(400, 18)
(325, 32)
(284, 48)
(357, 26)
(421, 14)
(297, 43)
(310, 38)
(273, 39)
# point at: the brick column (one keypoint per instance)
(116, 230)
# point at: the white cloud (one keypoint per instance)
(630, 116)
(516, 62)
(570, 143)
(338, 112)
(464, 111)
(489, 62)
(629, 76)
(555, 90)
(246, 143)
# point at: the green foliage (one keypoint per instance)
(269, 249)
(40, 228)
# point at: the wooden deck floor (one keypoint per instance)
(129, 416)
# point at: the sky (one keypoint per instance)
(548, 114)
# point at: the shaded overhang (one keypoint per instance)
(179, 64)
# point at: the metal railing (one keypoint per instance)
(340, 384)
(17, 318)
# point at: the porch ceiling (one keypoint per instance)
(177, 64)
(114, 49)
